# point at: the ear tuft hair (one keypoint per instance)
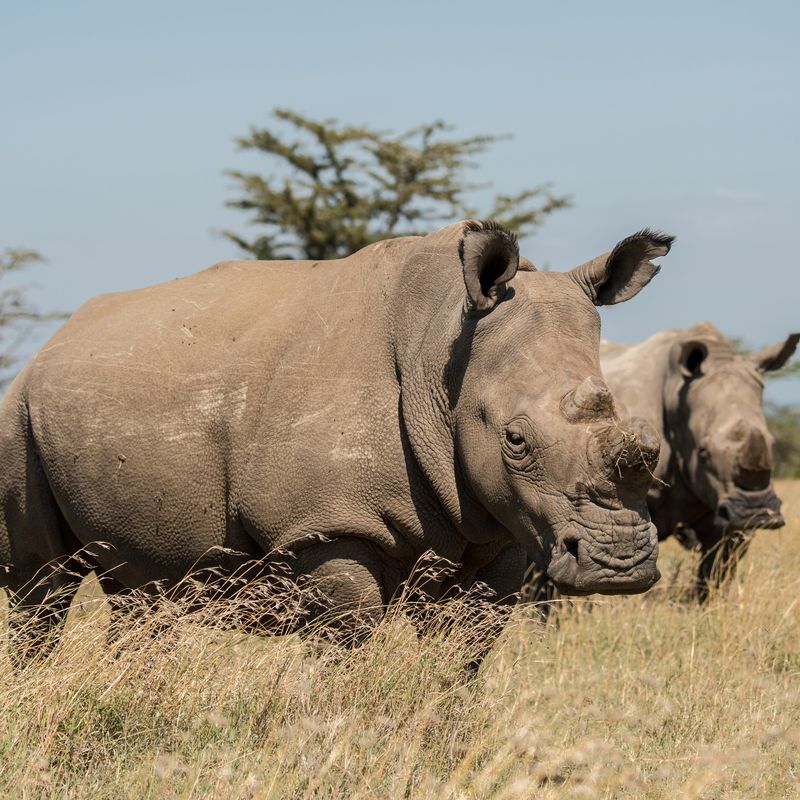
(658, 239)
(626, 270)
(477, 225)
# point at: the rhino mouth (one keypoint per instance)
(747, 511)
(616, 558)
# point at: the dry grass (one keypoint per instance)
(646, 697)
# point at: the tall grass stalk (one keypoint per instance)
(643, 697)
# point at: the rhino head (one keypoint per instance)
(716, 428)
(540, 449)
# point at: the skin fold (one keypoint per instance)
(424, 398)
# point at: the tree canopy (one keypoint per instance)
(17, 313)
(336, 188)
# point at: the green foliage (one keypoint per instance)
(784, 424)
(792, 367)
(17, 313)
(338, 188)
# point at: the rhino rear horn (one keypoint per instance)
(490, 258)
(621, 274)
(775, 356)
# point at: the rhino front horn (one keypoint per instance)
(591, 399)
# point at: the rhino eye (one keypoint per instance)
(515, 438)
(515, 449)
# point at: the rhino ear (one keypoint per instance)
(690, 357)
(490, 259)
(775, 356)
(625, 271)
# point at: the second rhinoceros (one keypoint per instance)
(422, 395)
(714, 475)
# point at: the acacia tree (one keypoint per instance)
(337, 188)
(17, 313)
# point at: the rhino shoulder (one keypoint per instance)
(609, 349)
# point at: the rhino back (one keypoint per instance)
(245, 406)
(636, 374)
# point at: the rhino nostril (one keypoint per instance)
(724, 513)
(571, 546)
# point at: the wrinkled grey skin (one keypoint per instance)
(422, 395)
(714, 475)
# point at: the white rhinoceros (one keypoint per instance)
(714, 475)
(421, 395)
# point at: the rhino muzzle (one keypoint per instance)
(610, 546)
(612, 559)
(746, 511)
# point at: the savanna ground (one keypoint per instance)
(644, 697)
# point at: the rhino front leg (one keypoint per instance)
(478, 604)
(540, 593)
(503, 578)
(720, 555)
(343, 597)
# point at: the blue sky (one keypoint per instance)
(119, 120)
